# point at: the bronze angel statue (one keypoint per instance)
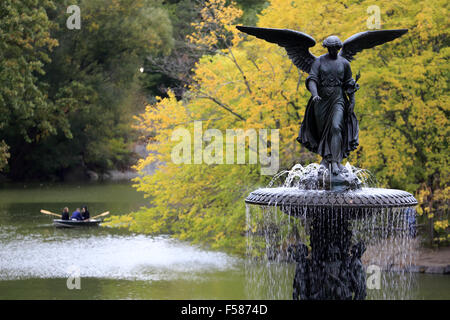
(330, 127)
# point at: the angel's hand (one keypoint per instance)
(316, 98)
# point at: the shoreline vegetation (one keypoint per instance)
(76, 103)
(69, 97)
(436, 261)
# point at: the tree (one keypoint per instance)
(89, 86)
(174, 71)
(4, 154)
(25, 46)
(252, 84)
(102, 76)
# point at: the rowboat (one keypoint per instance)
(76, 223)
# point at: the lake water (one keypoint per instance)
(36, 259)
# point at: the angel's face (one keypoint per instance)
(333, 51)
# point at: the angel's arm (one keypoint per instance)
(347, 73)
(349, 82)
(350, 86)
(313, 79)
(312, 87)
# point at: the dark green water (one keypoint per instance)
(36, 258)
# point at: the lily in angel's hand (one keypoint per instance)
(353, 86)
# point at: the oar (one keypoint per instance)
(101, 215)
(50, 213)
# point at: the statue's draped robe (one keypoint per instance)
(329, 127)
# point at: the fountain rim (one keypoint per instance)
(379, 198)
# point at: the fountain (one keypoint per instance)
(332, 202)
(333, 268)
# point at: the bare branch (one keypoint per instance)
(221, 104)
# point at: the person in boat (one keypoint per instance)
(76, 215)
(85, 213)
(65, 214)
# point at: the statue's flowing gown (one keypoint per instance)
(329, 127)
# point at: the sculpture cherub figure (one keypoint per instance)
(357, 271)
(330, 127)
(301, 278)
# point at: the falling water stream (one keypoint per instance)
(273, 231)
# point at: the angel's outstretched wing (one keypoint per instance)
(296, 43)
(368, 39)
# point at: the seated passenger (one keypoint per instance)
(76, 215)
(85, 213)
(65, 214)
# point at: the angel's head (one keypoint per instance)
(333, 44)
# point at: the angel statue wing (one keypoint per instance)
(296, 43)
(368, 39)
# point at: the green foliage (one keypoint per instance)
(25, 46)
(67, 97)
(251, 9)
(73, 107)
(104, 57)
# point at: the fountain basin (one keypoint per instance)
(332, 211)
(361, 198)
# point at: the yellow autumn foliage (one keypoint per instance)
(402, 107)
